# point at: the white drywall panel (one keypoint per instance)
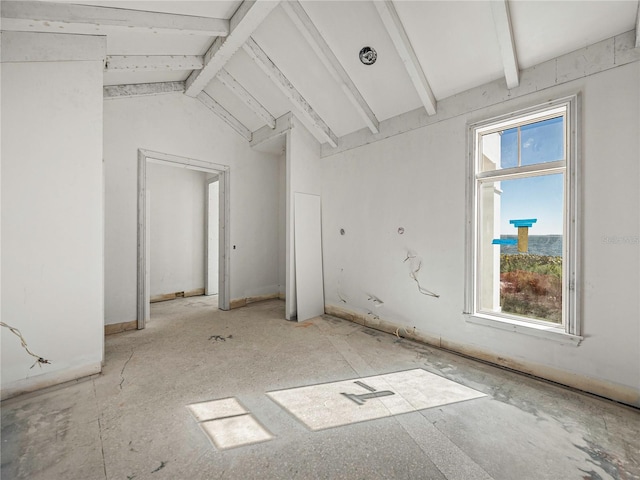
(303, 175)
(179, 125)
(417, 181)
(177, 220)
(52, 215)
(308, 256)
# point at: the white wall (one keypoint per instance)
(180, 125)
(177, 197)
(52, 208)
(282, 225)
(417, 181)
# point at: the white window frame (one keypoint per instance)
(569, 332)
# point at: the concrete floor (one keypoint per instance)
(132, 421)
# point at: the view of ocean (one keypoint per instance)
(538, 245)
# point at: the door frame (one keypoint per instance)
(149, 156)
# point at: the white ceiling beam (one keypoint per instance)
(400, 39)
(224, 114)
(287, 88)
(247, 18)
(152, 63)
(504, 34)
(249, 100)
(264, 134)
(84, 19)
(309, 31)
(142, 89)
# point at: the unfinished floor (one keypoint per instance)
(133, 420)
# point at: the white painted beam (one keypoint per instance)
(225, 115)
(400, 39)
(249, 100)
(247, 18)
(152, 63)
(264, 134)
(504, 34)
(305, 25)
(292, 94)
(142, 89)
(84, 19)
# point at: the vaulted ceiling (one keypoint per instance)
(252, 62)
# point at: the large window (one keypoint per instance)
(522, 219)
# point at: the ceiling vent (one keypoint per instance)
(368, 56)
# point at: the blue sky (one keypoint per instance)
(534, 197)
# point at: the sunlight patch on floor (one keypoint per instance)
(350, 401)
(228, 424)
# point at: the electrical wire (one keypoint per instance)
(414, 276)
(39, 360)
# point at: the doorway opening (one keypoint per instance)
(216, 256)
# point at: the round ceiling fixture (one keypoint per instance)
(368, 56)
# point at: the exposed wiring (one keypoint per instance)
(414, 276)
(39, 360)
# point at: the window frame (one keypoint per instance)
(570, 331)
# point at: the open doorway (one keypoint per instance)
(219, 177)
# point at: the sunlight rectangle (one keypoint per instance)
(350, 401)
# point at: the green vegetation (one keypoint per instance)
(531, 286)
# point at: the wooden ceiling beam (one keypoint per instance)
(400, 39)
(292, 94)
(309, 31)
(224, 114)
(247, 18)
(142, 89)
(249, 100)
(152, 63)
(504, 34)
(28, 16)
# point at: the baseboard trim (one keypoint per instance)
(242, 302)
(601, 388)
(172, 296)
(49, 380)
(112, 328)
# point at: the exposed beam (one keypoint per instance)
(247, 18)
(224, 114)
(249, 100)
(264, 134)
(400, 39)
(152, 63)
(83, 19)
(504, 33)
(317, 42)
(283, 83)
(142, 89)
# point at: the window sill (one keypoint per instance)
(541, 331)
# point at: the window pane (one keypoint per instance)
(509, 146)
(542, 142)
(499, 150)
(520, 247)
